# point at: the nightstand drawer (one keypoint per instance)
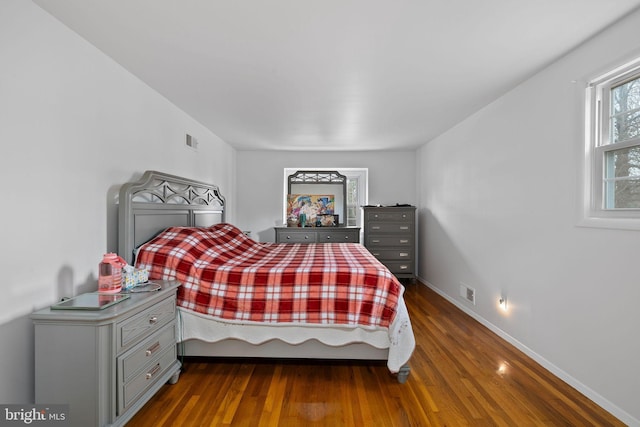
(145, 323)
(141, 382)
(136, 358)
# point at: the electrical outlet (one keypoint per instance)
(468, 293)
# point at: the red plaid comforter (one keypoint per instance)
(227, 275)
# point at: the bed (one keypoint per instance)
(243, 298)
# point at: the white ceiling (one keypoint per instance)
(334, 74)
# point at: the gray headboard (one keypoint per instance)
(159, 200)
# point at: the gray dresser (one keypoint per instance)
(317, 234)
(106, 364)
(389, 234)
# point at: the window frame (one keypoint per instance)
(598, 144)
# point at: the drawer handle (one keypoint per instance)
(376, 241)
(346, 237)
(152, 372)
(375, 227)
(404, 267)
(404, 241)
(328, 237)
(404, 227)
(153, 320)
(155, 347)
(288, 237)
(306, 237)
(376, 254)
(404, 254)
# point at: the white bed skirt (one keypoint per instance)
(253, 339)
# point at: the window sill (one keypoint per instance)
(611, 223)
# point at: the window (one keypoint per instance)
(612, 175)
(353, 207)
(356, 191)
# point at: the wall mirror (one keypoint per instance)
(321, 183)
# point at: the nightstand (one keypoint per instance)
(106, 364)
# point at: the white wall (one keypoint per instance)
(73, 120)
(260, 176)
(498, 197)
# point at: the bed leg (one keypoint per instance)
(403, 374)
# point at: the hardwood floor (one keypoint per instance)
(461, 375)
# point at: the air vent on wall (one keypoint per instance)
(192, 142)
(468, 293)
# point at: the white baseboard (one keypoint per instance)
(608, 406)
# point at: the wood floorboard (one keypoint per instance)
(462, 374)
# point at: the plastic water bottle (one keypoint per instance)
(110, 273)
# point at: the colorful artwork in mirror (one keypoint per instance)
(311, 205)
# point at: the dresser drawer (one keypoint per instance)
(393, 254)
(139, 383)
(399, 216)
(390, 227)
(339, 236)
(317, 234)
(296, 237)
(145, 323)
(140, 355)
(378, 240)
(399, 267)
